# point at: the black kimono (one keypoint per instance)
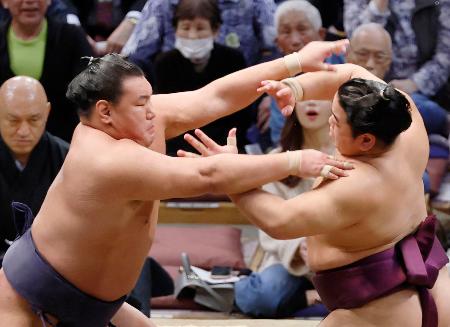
(30, 185)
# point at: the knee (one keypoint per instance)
(253, 296)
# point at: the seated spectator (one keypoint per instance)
(371, 48)
(247, 25)
(282, 286)
(47, 50)
(332, 13)
(30, 157)
(109, 23)
(196, 61)
(297, 23)
(420, 40)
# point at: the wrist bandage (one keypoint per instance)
(294, 161)
(293, 63)
(296, 88)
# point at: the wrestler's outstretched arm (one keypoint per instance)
(310, 212)
(306, 214)
(323, 85)
(141, 174)
(185, 111)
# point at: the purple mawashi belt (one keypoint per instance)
(414, 261)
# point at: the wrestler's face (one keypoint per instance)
(340, 130)
(22, 122)
(27, 12)
(295, 30)
(313, 114)
(132, 117)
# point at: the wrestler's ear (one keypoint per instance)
(366, 141)
(103, 110)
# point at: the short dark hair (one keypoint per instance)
(376, 108)
(190, 9)
(102, 79)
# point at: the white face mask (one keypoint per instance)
(196, 50)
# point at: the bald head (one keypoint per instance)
(371, 48)
(22, 89)
(24, 109)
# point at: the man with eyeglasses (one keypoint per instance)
(420, 40)
(371, 48)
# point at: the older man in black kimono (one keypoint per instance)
(30, 157)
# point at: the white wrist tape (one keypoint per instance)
(296, 88)
(293, 63)
(294, 161)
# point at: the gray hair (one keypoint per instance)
(299, 5)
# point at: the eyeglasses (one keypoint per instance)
(379, 57)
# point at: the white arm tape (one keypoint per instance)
(293, 63)
(295, 87)
(294, 161)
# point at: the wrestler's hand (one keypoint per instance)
(207, 147)
(281, 93)
(313, 163)
(313, 54)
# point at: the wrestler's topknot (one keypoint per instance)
(376, 108)
(100, 80)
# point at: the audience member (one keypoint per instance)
(196, 61)
(47, 50)
(30, 157)
(297, 23)
(108, 24)
(420, 39)
(282, 285)
(246, 25)
(57, 9)
(371, 48)
(332, 13)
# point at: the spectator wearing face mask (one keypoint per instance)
(196, 61)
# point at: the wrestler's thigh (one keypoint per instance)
(128, 316)
(398, 309)
(14, 310)
(441, 295)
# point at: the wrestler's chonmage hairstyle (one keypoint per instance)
(101, 80)
(375, 108)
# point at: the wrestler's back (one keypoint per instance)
(95, 239)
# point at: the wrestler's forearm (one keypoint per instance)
(238, 90)
(230, 174)
(324, 85)
(220, 98)
(266, 211)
